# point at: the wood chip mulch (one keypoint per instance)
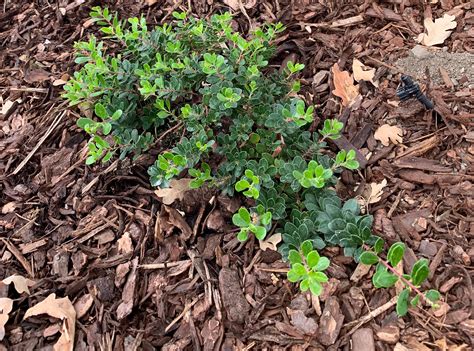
(144, 276)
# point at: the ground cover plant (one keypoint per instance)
(237, 126)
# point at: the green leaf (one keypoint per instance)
(318, 276)
(315, 287)
(415, 300)
(395, 253)
(90, 160)
(402, 303)
(378, 246)
(304, 285)
(100, 110)
(260, 232)
(433, 295)
(322, 265)
(83, 122)
(239, 221)
(245, 215)
(369, 258)
(293, 276)
(420, 272)
(299, 269)
(306, 247)
(243, 235)
(383, 279)
(294, 257)
(312, 258)
(242, 185)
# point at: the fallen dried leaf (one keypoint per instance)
(438, 31)
(6, 305)
(362, 72)
(36, 76)
(344, 86)
(175, 192)
(125, 244)
(270, 243)
(387, 133)
(63, 309)
(376, 191)
(20, 283)
(9, 207)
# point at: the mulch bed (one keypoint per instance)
(145, 276)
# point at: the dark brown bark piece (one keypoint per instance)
(363, 340)
(233, 299)
(331, 322)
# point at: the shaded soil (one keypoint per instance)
(144, 276)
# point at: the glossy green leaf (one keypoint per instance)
(312, 259)
(433, 295)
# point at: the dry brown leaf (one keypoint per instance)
(63, 309)
(125, 244)
(175, 191)
(150, 2)
(20, 283)
(270, 243)
(344, 86)
(438, 31)
(6, 306)
(387, 133)
(9, 207)
(376, 191)
(362, 72)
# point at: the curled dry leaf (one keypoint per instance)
(438, 31)
(20, 283)
(387, 133)
(344, 86)
(270, 243)
(63, 309)
(175, 192)
(6, 306)
(362, 72)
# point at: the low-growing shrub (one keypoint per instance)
(232, 123)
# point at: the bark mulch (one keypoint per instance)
(143, 276)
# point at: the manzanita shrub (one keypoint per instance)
(232, 123)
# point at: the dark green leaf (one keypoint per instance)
(433, 295)
(368, 258)
(402, 302)
(395, 253)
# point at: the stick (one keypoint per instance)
(45, 136)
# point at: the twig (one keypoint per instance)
(186, 309)
(45, 136)
(162, 265)
(371, 315)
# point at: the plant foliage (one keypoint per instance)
(237, 125)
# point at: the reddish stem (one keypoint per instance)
(407, 282)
